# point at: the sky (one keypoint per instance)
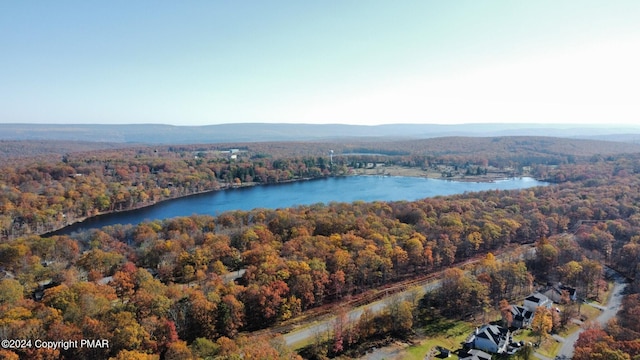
(334, 61)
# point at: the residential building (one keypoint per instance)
(554, 293)
(490, 338)
(533, 301)
(520, 317)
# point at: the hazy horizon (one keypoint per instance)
(505, 125)
(335, 62)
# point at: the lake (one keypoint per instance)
(334, 189)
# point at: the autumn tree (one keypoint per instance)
(339, 327)
(11, 291)
(134, 355)
(177, 351)
(546, 259)
(542, 322)
(590, 275)
(230, 315)
(505, 311)
(401, 314)
(459, 295)
(595, 343)
(204, 348)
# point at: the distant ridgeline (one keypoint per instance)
(252, 132)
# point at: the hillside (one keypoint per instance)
(259, 132)
(516, 148)
(514, 145)
(507, 146)
(51, 148)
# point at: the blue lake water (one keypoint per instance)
(338, 189)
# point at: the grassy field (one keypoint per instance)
(442, 332)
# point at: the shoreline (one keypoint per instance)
(396, 170)
(399, 171)
(150, 204)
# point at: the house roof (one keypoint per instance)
(474, 354)
(568, 289)
(559, 288)
(537, 298)
(494, 333)
(521, 313)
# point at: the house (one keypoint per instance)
(554, 293)
(490, 338)
(520, 317)
(533, 301)
(473, 354)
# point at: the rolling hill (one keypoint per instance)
(260, 132)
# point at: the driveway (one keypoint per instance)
(608, 312)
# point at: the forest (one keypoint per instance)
(46, 185)
(168, 289)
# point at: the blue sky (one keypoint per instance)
(353, 62)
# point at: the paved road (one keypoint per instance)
(541, 356)
(325, 325)
(608, 312)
